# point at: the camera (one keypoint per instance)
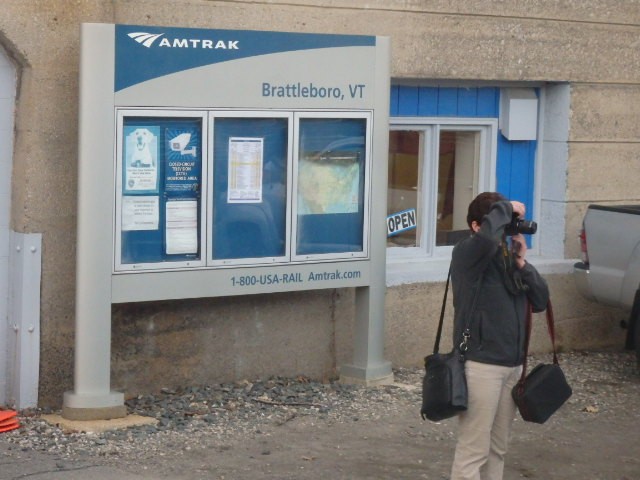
(518, 225)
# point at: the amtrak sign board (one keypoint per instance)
(177, 83)
(243, 68)
(160, 108)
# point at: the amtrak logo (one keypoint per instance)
(148, 39)
(144, 38)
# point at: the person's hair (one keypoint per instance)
(481, 205)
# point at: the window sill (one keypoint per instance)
(402, 271)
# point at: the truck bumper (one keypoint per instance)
(582, 280)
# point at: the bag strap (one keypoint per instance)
(552, 335)
(465, 332)
(436, 346)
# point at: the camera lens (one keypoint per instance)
(527, 227)
(517, 226)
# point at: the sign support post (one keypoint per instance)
(92, 398)
(369, 366)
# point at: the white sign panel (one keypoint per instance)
(245, 170)
(181, 227)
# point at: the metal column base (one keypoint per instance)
(93, 407)
(380, 374)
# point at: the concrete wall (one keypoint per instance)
(604, 148)
(162, 344)
(413, 312)
(590, 44)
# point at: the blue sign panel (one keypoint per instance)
(331, 185)
(160, 51)
(161, 189)
(183, 164)
(255, 228)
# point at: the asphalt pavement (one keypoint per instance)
(357, 434)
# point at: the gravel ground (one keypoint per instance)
(223, 412)
(225, 418)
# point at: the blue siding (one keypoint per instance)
(408, 101)
(467, 102)
(428, 106)
(515, 167)
(444, 102)
(488, 102)
(393, 100)
(515, 170)
(447, 102)
(503, 166)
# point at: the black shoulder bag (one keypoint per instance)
(444, 386)
(542, 392)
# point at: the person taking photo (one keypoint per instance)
(490, 266)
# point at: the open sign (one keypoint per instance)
(401, 222)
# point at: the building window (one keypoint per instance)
(404, 160)
(428, 124)
(436, 167)
(458, 160)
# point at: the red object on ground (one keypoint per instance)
(8, 420)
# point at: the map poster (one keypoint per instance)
(329, 184)
(245, 170)
(140, 158)
(183, 160)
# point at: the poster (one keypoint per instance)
(245, 170)
(140, 213)
(329, 184)
(141, 152)
(181, 227)
(183, 160)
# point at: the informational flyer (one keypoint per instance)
(140, 213)
(181, 227)
(245, 170)
(183, 168)
(140, 158)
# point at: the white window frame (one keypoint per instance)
(430, 128)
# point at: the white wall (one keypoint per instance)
(7, 106)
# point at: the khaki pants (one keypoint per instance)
(483, 430)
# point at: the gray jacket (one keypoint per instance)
(497, 328)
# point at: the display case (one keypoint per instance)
(250, 211)
(332, 186)
(220, 188)
(159, 184)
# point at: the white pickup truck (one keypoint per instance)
(609, 272)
